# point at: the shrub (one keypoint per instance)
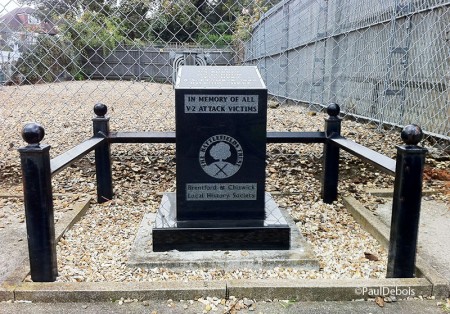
(95, 31)
(46, 61)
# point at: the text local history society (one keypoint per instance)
(221, 191)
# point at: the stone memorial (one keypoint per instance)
(221, 117)
(220, 200)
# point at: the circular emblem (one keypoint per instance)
(221, 156)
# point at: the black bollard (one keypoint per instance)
(406, 204)
(102, 155)
(38, 201)
(331, 156)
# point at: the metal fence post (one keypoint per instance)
(38, 201)
(331, 156)
(102, 155)
(406, 204)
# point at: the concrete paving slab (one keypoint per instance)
(300, 255)
(265, 307)
(270, 289)
(14, 260)
(380, 229)
(434, 232)
(14, 248)
(14, 241)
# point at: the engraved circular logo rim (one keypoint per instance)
(218, 147)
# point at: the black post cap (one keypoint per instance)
(100, 110)
(333, 110)
(33, 133)
(412, 134)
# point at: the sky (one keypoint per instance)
(8, 5)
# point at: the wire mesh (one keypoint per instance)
(384, 62)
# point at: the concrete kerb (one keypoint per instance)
(6, 292)
(441, 286)
(67, 222)
(8, 287)
(329, 289)
(111, 291)
(300, 290)
(390, 192)
(381, 232)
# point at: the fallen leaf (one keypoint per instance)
(370, 256)
(379, 301)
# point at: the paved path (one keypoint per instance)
(434, 233)
(162, 307)
(433, 245)
(13, 239)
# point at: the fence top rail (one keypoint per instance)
(380, 161)
(142, 137)
(296, 137)
(170, 137)
(65, 159)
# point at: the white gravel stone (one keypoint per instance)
(96, 248)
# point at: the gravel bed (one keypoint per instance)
(96, 248)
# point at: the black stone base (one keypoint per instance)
(168, 234)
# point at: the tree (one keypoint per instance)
(103, 23)
(69, 8)
(176, 21)
(49, 59)
(227, 21)
(95, 31)
(132, 19)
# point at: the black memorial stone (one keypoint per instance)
(220, 202)
(221, 117)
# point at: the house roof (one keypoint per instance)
(14, 21)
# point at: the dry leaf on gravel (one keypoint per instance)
(96, 248)
(370, 256)
(379, 301)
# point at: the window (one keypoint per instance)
(33, 20)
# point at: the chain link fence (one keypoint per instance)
(385, 62)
